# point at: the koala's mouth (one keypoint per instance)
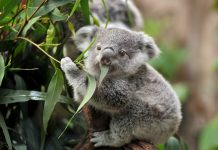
(112, 69)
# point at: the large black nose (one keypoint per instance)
(105, 61)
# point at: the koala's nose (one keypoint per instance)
(105, 61)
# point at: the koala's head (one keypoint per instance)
(123, 51)
(119, 11)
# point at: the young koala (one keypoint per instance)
(141, 103)
(123, 14)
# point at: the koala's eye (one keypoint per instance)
(148, 46)
(84, 35)
(122, 53)
(98, 47)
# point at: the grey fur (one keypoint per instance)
(118, 10)
(140, 101)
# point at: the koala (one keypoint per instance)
(141, 103)
(123, 13)
(119, 18)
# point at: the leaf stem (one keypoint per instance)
(82, 54)
(108, 14)
(27, 20)
(42, 50)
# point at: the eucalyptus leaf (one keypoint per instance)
(5, 131)
(74, 8)
(56, 15)
(46, 8)
(71, 27)
(90, 91)
(85, 11)
(29, 25)
(2, 68)
(104, 71)
(172, 144)
(50, 35)
(6, 7)
(54, 91)
(20, 147)
(9, 96)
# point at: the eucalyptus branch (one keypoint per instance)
(42, 50)
(27, 20)
(107, 12)
(43, 1)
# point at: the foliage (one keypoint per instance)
(216, 4)
(35, 104)
(30, 51)
(209, 136)
(173, 143)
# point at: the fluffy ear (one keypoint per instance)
(84, 37)
(149, 46)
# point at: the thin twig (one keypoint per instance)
(108, 14)
(42, 50)
(27, 20)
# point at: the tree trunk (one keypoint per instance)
(201, 106)
(98, 121)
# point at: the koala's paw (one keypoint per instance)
(67, 65)
(99, 138)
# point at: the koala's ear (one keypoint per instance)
(150, 46)
(88, 30)
(84, 36)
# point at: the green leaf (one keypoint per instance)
(74, 8)
(12, 32)
(104, 71)
(95, 21)
(6, 7)
(160, 146)
(8, 96)
(107, 13)
(21, 46)
(19, 82)
(54, 91)
(42, 50)
(90, 91)
(20, 147)
(172, 144)
(50, 35)
(29, 25)
(46, 8)
(5, 131)
(2, 68)
(79, 58)
(71, 27)
(209, 136)
(85, 10)
(56, 15)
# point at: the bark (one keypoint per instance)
(98, 121)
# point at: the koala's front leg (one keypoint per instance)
(119, 134)
(75, 77)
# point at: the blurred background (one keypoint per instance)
(35, 101)
(187, 31)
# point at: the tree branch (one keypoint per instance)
(98, 121)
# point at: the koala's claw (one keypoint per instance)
(67, 65)
(98, 138)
